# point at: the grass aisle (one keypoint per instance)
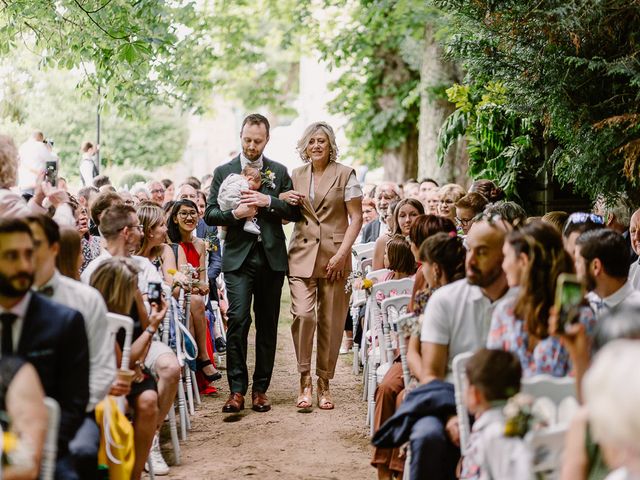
(283, 443)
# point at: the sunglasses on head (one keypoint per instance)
(583, 217)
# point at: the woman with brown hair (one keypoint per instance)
(404, 214)
(534, 257)
(70, 258)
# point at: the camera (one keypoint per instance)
(154, 292)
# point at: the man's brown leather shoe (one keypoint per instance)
(260, 402)
(234, 404)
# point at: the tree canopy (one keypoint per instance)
(571, 66)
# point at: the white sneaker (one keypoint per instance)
(160, 467)
(251, 227)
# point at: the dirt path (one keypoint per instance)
(282, 444)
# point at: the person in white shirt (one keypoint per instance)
(493, 377)
(602, 264)
(456, 320)
(33, 157)
(122, 233)
(89, 302)
(89, 167)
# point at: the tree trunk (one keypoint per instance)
(436, 75)
(401, 163)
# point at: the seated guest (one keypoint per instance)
(122, 233)
(449, 196)
(534, 257)
(468, 208)
(88, 301)
(405, 212)
(398, 259)
(494, 377)
(617, 217)
(577, 224)
(69, 263)
(156, 189)
(169, 190)
(456, 320)
(432, 201)
(385, 193)
(556, 218)
(90, 244)
(427, 185)
(612, 393)
(99, 205)
(116, 279)
(634, 234)
(24, 415)
(488, 189)
(510, 212)
(602, 264)
(49, 335)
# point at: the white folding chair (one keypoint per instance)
(115, 322)
(50, 451)
(546, 448)
(378, 354)
(400, 325)
(358, 248)
(554, 400)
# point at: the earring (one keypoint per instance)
(150, 236)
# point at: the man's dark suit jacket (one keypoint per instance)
(371, 231)
(54, 341)
(238, 243)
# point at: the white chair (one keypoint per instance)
(555, 397)
(546, 447)
(378, 354)
(358, 248)
(50, 451)
(400, 328)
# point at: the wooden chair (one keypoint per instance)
(50, 451)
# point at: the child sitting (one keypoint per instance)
(230, 193)
(493, 376)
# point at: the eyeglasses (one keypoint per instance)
(157, 190)
(582, 217)
(139, 227)
(187, 214)
(464, 221)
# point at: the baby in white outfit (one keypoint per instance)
(230, 193)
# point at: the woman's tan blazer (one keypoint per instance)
(318, 235)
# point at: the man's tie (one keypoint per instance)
(7, 319)
(48, 291)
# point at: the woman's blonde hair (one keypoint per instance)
(452, 189)
(8, 162)
(150, 216)
(117, 280)
(303, 143)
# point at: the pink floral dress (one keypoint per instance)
(548, 356)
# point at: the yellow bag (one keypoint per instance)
(116, 440)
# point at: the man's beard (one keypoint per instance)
(251, 158)
(7, 287)
(589, 280)
(485, 279)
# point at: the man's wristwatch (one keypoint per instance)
(150, 331)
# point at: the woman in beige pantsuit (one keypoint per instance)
(330, 200)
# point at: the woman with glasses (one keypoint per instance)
(190, 251)
(449, 195)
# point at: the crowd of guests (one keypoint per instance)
(485, 281)
(65, 261)
(485, 277)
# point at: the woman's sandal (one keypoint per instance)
(200, 366)
(325, 402)
(305, 398)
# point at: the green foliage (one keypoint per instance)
(376, 45)
(135, 51)
(500, 144)
(570, 65)
(52, 104)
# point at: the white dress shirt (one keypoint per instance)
(20, 310)
(493, 456)
(625, 295)
(89, 302)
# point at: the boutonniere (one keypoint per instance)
(520, 417)
(268, 178)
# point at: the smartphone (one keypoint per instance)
(51, 172)
(154, 292)
(569, 297)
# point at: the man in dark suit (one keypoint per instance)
(49, 335)
(254, 265)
